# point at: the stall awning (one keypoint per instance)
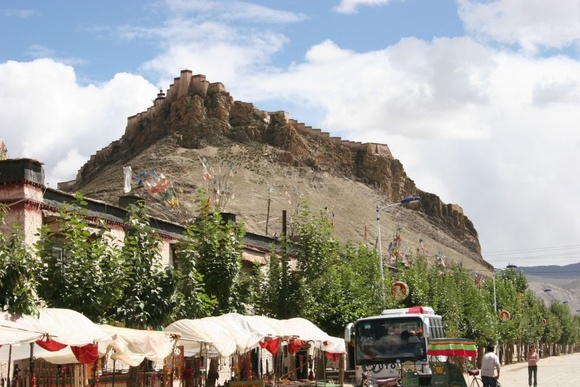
(232, 332)
(134, 345)
(56, 334)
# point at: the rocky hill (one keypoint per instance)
(263, 165)
(553, 283)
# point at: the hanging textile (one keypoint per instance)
(452, 347)
(295, 344)
(332, 356)
(50, 345)
(271, 345)
(86, 354)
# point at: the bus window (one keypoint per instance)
(436, 328)
(391, 338)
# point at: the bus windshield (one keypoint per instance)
(391, 338)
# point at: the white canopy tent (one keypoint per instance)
(15, 330)
(210, 334)
(222, 336)
(231, 333)
(133, 345)
(65, 326)
(297, 327)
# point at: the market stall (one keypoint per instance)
(55, 336)
(59, 336)
(257, 347)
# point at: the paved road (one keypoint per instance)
(557, 371)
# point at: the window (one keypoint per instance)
(59, 258)
(174, 259)
(436, 328)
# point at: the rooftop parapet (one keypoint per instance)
(15, 170)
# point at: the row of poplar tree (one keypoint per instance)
(78, 265)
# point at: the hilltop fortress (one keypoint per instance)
(187, 86)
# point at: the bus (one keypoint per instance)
(379, 345)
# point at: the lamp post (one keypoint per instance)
(409, 199)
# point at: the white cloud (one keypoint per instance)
(21, 13)
(531, 24)
(351, 6)
(47, 115)
(223, 53)
(37, 51)
(59, 172)
(416, 87)
(233, 11)
(257, 13)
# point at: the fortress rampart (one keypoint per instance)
(380, 149)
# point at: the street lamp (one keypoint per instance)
(409, 199)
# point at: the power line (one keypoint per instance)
(540, 249)
(547, 254)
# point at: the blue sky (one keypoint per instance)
(477, 99)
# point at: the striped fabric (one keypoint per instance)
(452, 347)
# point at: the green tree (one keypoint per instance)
(80, 268)
(552, 330)
(562, 312)
(454, 293)
(192, 300)
(416, 276)
(18, 270)
(508, 300)
(317, 255)
(216, 246)
(478, 318)
(356, 290)
(280, 298)
(251, 287)
(533, 323)
(452, 312)
(149, 290)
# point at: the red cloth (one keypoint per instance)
(271, 345)
(187, 374)
(86, 354)
(50, 345)
(453, 352)
(294, 345)
(333, 356)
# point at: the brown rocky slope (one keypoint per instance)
(266, 163)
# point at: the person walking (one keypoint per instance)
(533, 359)
(489, 364)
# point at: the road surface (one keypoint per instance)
(555, 371)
